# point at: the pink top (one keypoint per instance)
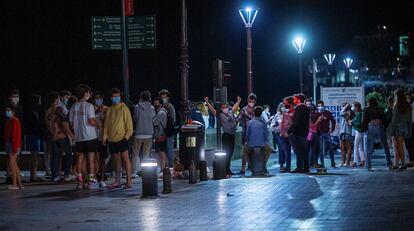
(287, 121)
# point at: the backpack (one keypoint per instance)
(170, 130)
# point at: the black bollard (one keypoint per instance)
(192, 173)
(219, 165)
(257, 158)
(149, 178)
(203, 171)
(166, 181)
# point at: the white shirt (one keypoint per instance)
(79, 115)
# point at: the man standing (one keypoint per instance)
(246, 114)
(100, 110)
(326, 128)
(299, 130)
(144, 113)
(409, 142)
(63, 101)
(165, 97)
(83, 120)
(118, 129)
(160, 139)
(256, 132)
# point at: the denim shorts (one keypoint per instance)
(9, 148)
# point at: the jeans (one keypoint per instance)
(228, 145)
(285, 152)
(314, 150)
(277, 142)
(375, 131)
(359, 147)
(326, 144)
(170, 151)
(56, 156)
(302, 157)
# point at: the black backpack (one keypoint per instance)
(170, 130)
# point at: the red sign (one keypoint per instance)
(129, 7)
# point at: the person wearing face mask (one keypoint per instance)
(165, 97)
(229, 124)
(118, 128)
(245, 115)
(326, 127)
(63, 100)
(83, 121)
(286, 141)
(13, 142)
(346, 134)
(100, 110)
(359, 156)
(160, 139)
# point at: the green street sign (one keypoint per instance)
(106, 32)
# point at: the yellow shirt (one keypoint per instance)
(118, 123)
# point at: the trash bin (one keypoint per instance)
(191, 144)
(257, 160)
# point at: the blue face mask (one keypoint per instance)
(321, 108)
(8, 114)
(99, 102)
(116, 99)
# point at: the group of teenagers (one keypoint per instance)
(82, 134)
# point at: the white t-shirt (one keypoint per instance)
(79, 115)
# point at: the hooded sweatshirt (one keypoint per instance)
(144, 113)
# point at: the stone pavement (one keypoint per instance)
(344, 199)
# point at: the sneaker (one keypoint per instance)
(56, 179)
(68, 179)
(13, 187)
(93, 184)
(102, 184)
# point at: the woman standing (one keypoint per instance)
(275, 129)
(346, 134)
(359, 158)
(313, 137)
(13, 141)
(400, 127)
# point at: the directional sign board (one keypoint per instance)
(106, 32)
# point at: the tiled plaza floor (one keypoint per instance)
(344, 199)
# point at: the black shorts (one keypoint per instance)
(103, 150)
(86, 146)
(161, 146)
(120, 146)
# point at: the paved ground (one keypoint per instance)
(345, 199)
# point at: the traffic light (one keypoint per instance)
(221, 73)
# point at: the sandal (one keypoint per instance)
(113, 186)
(127, 187)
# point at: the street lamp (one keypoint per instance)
(348, 62)
(329, 58)
(299, 44)
(248, 16)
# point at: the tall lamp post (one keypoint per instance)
(348, 63)
(329, 58)
(184, 62)
(299, 44)
(248, 16)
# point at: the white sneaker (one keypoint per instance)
(93, 184)
(56, 179)
(102, 184)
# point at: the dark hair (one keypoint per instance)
(400, 102)
(357, 105)
(301, 97)
(390, 100)
(99, 93)
(164, 92)
(289, 99)
(11, 107)
(265, 107)
(158, 99)
(252, 96)
(321, 102)
(14, 92)
(81, 90)
(279, 107)
(64, 92)
(72, 100)
(372, 102)
(145, 96)
(115, 91)
(313, 113)
(258, 111)
(51, 97)
(308, 100)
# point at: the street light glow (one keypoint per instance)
(248, 15)
(299, 43)
(348, 62)
(329, 58)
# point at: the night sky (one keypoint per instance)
(46, 45)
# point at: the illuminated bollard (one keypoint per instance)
(149, 178)
(219, 165)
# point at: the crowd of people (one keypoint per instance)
(82, 134)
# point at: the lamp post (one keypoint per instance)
(184, 62)
(348, 62)
(299, 44)
(330, 58)
(248, 16)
